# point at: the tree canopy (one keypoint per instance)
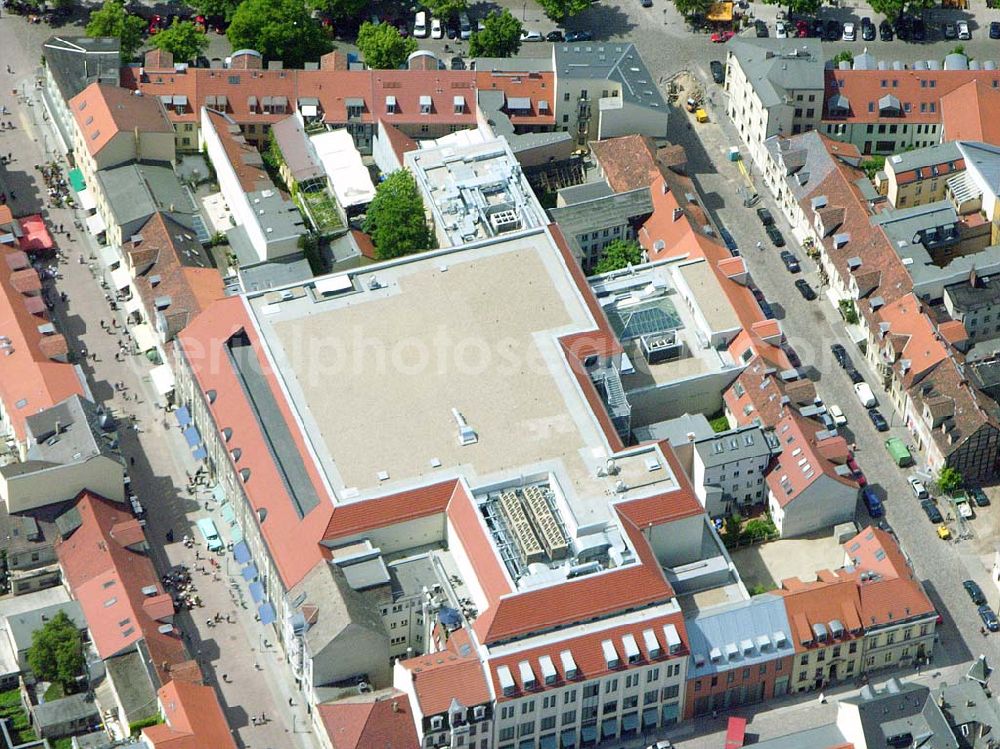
(183, 39)
(113, 20)
(949, 480)
(688, 8)
(560, 10)
(383, 47)
(278, 29)
(893, 9)
(56, 652)
(216, 8)
(500, 37)
(617, 255)
(395, 218)
(445, 9)
(798, 7)
(339, 10)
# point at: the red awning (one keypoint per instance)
(35, 236)
(736, 733)
(35, 305)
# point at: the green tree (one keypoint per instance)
(560, 10)
(949, 480)
(113, 20)
(500, 37)
(872, 165)
(182, 39)
(56, 652)
(339, 10)
(395, 218)
(617, 255)
(63, 4)
(688, 8)
(445, 9)
(383, 47)
(798, 7)
(845, 55)
(893, 9)
(278, 29)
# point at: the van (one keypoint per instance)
(420, 25)
(865, 395)
(872, 503)
(899, 452)
(465, 28)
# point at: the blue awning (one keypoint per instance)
(609, 727)
(241, 552)
(257, 592)
(267, 614)
(630, 721)
(547, 742)
(237, 534)
(568, 739)
(588, 733)
(192, 436)
(218, 493)
(183, 416)
(199, 453)
(649, 717)
(249, 572)
(527, 744)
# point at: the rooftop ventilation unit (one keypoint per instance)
(466, 434)
(544, 523)
(504, 221)
(517, 521)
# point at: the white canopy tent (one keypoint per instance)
(120, 278)
(87, 201)
(163, 379)
(349, 177)
(145, 338)
(95, 224)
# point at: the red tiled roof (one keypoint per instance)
(194, 719)
(17, 260)
(293, 541)
(874, 550)
(917, 340)
(628, 162)
(889, 601)
(103, 110)
(25, 281)
(108, 579)
(971, 112)
(357, 517)
(244, 158)
(789, 477)
(588, 654)
(820, 602)
(382, 721)
(400, 142)
(35, 236)
(364, 241)
(953, 331)
(453, 673)
(535, 86)
(670, 224)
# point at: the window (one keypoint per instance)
(548, 702)
(798, 112)
(697, 685)
(649, 697)
(506, 734)
(715, 681)
(569, 717)
(629, 702)
(652, 675)
(730, 677)
(569, 697)
(671, 692)
(566, 96)
(810, 113)
(611, 706)
(528, 706)
(611, 685)
(762, 669)
(803, 675)
(547, 723)
(812, 97)
(870, 129)
(591, 690)
(526, 728)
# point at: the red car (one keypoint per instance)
(858, 475)
(802, 28)
(721, 37)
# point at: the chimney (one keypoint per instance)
(690, 436)
(59, 427)
(395, 706)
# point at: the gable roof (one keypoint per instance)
(455, 673)
(102, 111)
(378, 721)
(805, 459)
(194, 719)
(628, 162)
(74, 62)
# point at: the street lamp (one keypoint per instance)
(524, 11)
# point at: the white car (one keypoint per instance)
(865, 395)
(529, 35)
(437, 30)
(850, 33)
(963, 30)
(420, 25)
(464, 26)
(838, 415)
(780, 30)
(918, 488)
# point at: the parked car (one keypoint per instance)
(464, 26)
(885, 32)
(872, 503)
(210, 534)
(837, 413)
(646, 3)
(579, 36)
(944, 534)
(530, 35)
(859, 475)
(780, 30)
(949, 30)
(805, 289)
(451, 29)
(865, 395)
(774, 235)
(918, 31)
(765, 216)
(917, 487)
(791, 262)
(719, 76)
(979, 497)
(457, 63)
(437, 31)
(831, 32)
(855, 375)
(975, 592)
(760, 28)
(849, 34)
(867, 29)
(420, 25)
(555, 36)
(994, 29)
(930, 509)
(721, 37)
(840, 354)
(962, 506)
(881, 425)
(899, 452)
(801, 28)
(904, 28)
(817, 28)
(989, 618)
(963, 30)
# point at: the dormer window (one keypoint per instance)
(390, 105)
(426, 104)
(459, 105)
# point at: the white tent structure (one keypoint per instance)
(349, 177)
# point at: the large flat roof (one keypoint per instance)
(375, 372)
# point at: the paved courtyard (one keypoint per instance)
(768, 564)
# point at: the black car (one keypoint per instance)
(949, 30)
(975, 592)
(904, 28)
(816, 27)
(646, 3)
(979, 497)
(554, 36)
(761, 28)
(878, 420)
(832, 31)
(919, 30)
(805, 289)
(579, 36)
(840, 354)
(791, 262)
(995, 30)
(855, 375)
(867, 29)
(885, 31)
(765, 216)
(989, 618)
(457, 63)
(933, 513)
(774, 235)
(718, 74)
(766, 309)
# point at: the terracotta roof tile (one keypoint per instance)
(194, 719)
(102, 111)
(54, 347)
(453, 673)
(244, 158)
(628, 162)
(534, 86)
(379, 721)
(889, 601)
(25, 281)
(874, 550)
(913, 339)
(953, 331)
(821, 602)
(789, 477)
(971, 112)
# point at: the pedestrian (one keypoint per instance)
(131, 461)
(290, 702)
(760, 245)
(225, 678)
(253, 720)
